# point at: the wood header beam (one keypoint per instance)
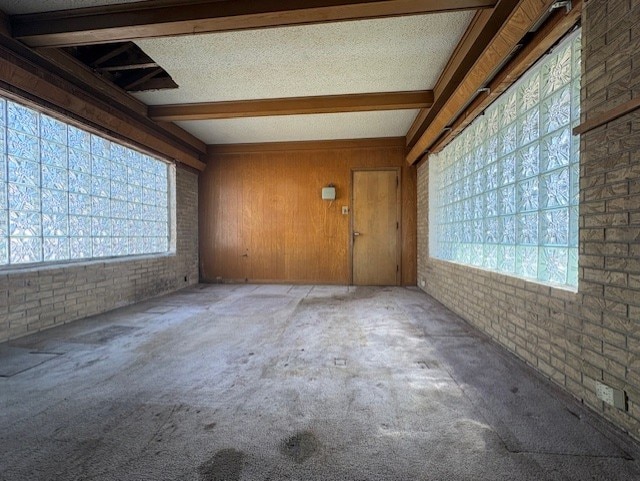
(374, 143)
(13, 74)
(113, 94)
(161, 18)
(546, 37)
(111, 54)
(142, 79)
(469, 38)
(130, 66)
(293, 106)
(5, 25)
(27, 77)
(510, 21)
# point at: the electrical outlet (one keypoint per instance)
(423, 282)
(345, 210)
(614, 397)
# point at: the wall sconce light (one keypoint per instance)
(329, 192)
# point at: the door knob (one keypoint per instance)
(356, 234)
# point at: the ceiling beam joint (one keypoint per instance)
(162, 18)
(498, 40)
(366, 102)
(111, 54)
(558, 26)
(142, 79)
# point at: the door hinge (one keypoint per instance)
(397, 225)
(397, 182)
(397, 268)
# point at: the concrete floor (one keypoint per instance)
(279, 382)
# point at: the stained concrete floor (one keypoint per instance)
(247, 382)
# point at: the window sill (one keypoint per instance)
(527, 280)
(79, 263)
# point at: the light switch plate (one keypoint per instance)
(345, 210)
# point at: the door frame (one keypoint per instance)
(398, 172)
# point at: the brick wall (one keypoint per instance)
(575, 339)
(423, 220)
(38, 298)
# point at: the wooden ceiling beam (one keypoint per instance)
(155, 83)
(142, 79)
(130, 66)
(25, 80)
(546, 37)
(481, 31)
(469, 38)
(510, 21)
(293, 106)
(5, 25)
(112, 94)
(82, 73)
(111, 54)
(214, 150)
(161, 18)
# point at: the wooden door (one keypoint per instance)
(375, 227)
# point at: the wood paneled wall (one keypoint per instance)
(262, 218)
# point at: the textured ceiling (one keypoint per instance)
(381, 55)
(401, 53)
(353, 125)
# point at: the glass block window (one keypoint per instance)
(504, 193)
(69, 194)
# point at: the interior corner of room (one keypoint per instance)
(440, 194)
